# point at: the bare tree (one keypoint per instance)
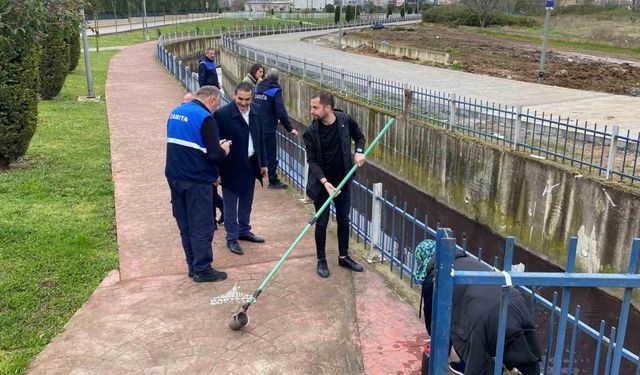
(482, 9)
(508, 6)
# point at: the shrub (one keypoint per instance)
(54, 63)
(18, 78)
(73, 40)
(456, 15)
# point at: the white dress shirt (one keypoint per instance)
(245, 115)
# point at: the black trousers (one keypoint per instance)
(191, 204)
(342, 202)
(219, 204)
(271, 144)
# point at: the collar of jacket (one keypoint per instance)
(237, 113)
(340, 120)
(249, 76)
(266, 84)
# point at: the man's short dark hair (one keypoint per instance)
(243, 86)
(325, 98)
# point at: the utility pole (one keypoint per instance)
(144, 20)
(340, 26)
(87, 62)
(543, 56)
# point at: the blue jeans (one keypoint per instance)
(191, 203)
(237, 212)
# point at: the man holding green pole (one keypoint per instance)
(328, 145)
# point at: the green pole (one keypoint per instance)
(312, 221)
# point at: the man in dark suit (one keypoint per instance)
(247, 161)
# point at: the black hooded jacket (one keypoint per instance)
(474, 321)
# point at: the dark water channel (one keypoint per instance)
(596, 304)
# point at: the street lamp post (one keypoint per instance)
(87, 62)
(144, 20)
(340, 25)
(543, 56)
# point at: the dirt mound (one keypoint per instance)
(515, 60)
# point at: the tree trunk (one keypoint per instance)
(4, 163)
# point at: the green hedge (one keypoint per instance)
(457, 15)
(18, 100)
(19, 78)
(73, 40)
(54, 64)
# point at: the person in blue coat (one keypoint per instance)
(240, 123)
(268, 98)
(207, 74)
(194, 152)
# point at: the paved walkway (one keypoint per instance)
(594, 107)
(149, 318)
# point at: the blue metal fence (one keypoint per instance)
(402, 230)
(446, 278)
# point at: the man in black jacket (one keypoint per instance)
(328, 146)
(474, 323)
(240, 123)
(268, 98)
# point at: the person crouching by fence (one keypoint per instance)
(474, 319)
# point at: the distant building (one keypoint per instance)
(312, 4)
(266, 5)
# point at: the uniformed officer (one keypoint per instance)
(268, 100)
(207, 73)
(194, 151)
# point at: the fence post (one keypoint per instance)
(407, 98)
(196, 84)
(376, 223)
(341, 80)
(612, 150)
(187, 78)
(180, 70)
(321, 74)
(452, 110)
(304, 69)
(516, 135)
(289, 64)
(305, 176)
(442, 302)
(369, 88)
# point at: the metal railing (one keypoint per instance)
(592, 148)
(391, 232)
(251, 30)
(446, 278)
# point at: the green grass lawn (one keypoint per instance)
(559, 43)
(57, 223)
(137, 36)
(612, 32)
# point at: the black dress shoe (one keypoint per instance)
(251, 238)
(190, 274)
(235, 248)
(210, 276)
(350, 264)
(277, 185)
(322, 268)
